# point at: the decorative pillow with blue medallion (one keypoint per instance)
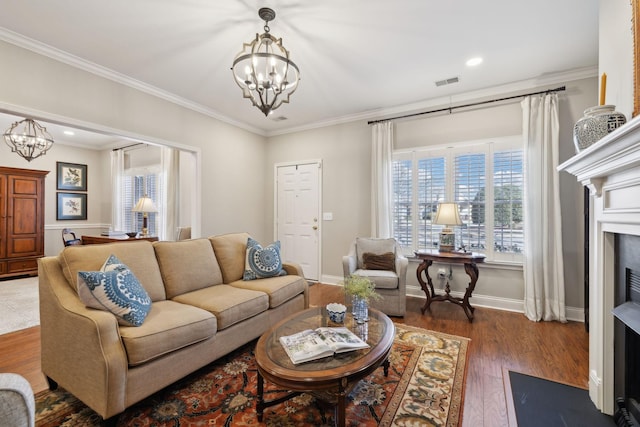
(262, 262)
(115, 289)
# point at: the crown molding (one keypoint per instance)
(378, 114)
(90, 67)
(466, 97)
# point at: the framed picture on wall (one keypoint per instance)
(71, 176)
(72, 206)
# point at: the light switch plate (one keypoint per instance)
(327, 216)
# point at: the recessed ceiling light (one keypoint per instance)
(69, 132)
(474, 61)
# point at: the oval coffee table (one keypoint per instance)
(329, 379)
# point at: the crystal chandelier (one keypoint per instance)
(28, 139)
(263, 69)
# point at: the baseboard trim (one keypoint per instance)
(574, 314)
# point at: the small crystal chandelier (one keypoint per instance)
(28, 139)
(263, 69)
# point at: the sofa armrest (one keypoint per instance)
(81, 347)
(293, 268)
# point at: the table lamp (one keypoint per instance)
(146, 206)
(448, 216)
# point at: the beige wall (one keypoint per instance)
(69, 154)
(615, 54)
(232, 164)
(237, 165)
(345, 151)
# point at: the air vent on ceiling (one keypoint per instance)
(448, 81)
(279, 118)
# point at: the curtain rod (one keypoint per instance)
(558, 89)
(128, 146)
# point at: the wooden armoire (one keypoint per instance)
(21, 221)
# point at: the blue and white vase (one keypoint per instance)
(360, 309)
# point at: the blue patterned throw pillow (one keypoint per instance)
(262, 262)
(115, 289)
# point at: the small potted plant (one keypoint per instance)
(361, 289)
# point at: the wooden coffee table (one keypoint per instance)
(329, 379)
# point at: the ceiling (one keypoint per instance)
(358, 59)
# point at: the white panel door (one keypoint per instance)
(298, 215)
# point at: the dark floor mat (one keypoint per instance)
(539, 402)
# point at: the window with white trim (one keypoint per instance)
(135, 184)
(485, 178)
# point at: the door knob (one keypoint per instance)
(315, 227)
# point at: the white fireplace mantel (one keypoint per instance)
(611, 170)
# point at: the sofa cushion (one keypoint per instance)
(262, 262)
(383, 279)
(374, 246)
(385, 261)
(279, 289)
(229, 304)
(139, 256)
(230, 251)
(115, 289)
(187, 265)
(169, 326)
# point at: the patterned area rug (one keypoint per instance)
(424, 387)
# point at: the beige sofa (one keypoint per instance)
(201, 310)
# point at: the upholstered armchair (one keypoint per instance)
(382, 261)
(183, 233)
(17, 403)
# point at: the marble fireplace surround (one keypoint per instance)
(611, 170)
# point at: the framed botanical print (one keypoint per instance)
(71, 176)
(72, 206)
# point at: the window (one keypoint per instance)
(485, 178)
(133, 187)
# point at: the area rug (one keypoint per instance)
(424, 387)
(540, 402)
(19, 304)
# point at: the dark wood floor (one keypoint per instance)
(499, 340)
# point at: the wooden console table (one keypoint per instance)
(94, 240)
(469, 260)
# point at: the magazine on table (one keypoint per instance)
(312, 344)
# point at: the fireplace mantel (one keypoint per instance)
(611, 170)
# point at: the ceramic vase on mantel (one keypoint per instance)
(596, 123)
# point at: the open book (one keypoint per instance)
(314, 344)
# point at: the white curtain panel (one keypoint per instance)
(543, 265)
(117, 172)
(382, 180)
(170, 163)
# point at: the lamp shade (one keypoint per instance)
(145, 204)
(447, 214)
